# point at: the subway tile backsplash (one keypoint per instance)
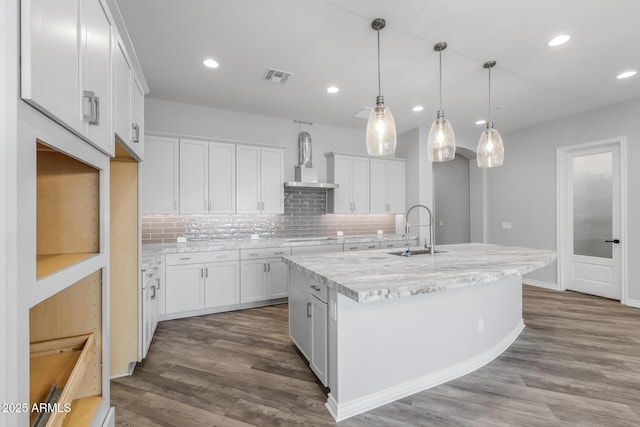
(304, 216)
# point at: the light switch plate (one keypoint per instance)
(380, 232)
(506, 226)
(340, 233)
(182, 240)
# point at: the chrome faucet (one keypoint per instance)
(432, 238)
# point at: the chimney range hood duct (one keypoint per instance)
(306, 175)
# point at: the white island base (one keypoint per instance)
(381, 351)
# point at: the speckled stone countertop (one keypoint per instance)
(151, 249)
(378, 274)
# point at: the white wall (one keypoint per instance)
(186, 119)
(523, 190)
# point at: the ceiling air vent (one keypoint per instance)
(276, 76)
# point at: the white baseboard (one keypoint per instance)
(632, 302)
(342, 411)
(541, 284)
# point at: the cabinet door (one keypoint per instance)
(252, 280)
(222, 178)
(318, 362)
(278, 278)
(184, 288)
(97, 42)
(222, 284)
(194, 192)
(160, 176)
(360, 184)
(396, 187)
(300, 313)
(378, 186)
(342, 202)
(146, 319)
(272, 180)
(50, 58)
(248, 179)
(136, 121)
(122, 93)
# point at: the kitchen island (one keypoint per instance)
(377, 326)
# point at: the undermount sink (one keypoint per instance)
(415, 252)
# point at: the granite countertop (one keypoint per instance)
(172, 248)
(377, 274)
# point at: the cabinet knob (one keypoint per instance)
(308, 309)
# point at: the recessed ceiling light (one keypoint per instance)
(558, 40)
(333, 89)
(417, 108)
(627, 74)
(481, 122)
(210, 63)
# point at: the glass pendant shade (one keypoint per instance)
(381, 131)
(490, 150)
(441, 142)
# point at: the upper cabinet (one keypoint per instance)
(207, 177)
(129, 102)
(67, 73)
(352, 173)
(159, 174)
(76, 69)
(259, 179)
(387, 186)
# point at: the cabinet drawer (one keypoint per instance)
(201, 257)
(361, 246)
(399, 244)
(318, 290)
(264, 253)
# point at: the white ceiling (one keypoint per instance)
(325, 42)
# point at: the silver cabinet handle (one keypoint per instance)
(92, 103)
(279, 253)
(135, 137)
(353, 248)
(268, 266)
(209, 204)
(183, 259)
(390, 245)
(202, 273)
(153, 295)
(206, 272)
(175, 205)
(254, 254)
(371, 247)
(308, 309)
(316, 288)
(158, 282)
(264, 267)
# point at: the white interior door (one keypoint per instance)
(591, 230)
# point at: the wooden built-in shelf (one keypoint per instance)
(61, 362)
(68, 210)
(49, 264)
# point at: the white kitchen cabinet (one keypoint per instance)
(129, 103)
(67, 74)
(222, 284)
(160, 176)
(184, 288)
(253, 284)
(207, 177)
(352, 174)
(150, 310)
(277, 278)
(318, 361)
(300, 313)
(201, 280)
(222, 178)
(387, 186)
(407, 243)
(259, 179)
(194, 185)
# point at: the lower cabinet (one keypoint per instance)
(264, 279)
(308, 322)
(201, 280)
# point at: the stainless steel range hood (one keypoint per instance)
(306, 175)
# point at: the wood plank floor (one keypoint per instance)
(577, 363)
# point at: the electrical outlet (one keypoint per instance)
(506, 226)
(255, 236)
(182, 240)
(340, 233)
(380, 232)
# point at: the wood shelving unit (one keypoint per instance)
(66, 350)
(68, 211)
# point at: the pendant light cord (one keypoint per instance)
(489, 95)
(379, 85)
(440, 80)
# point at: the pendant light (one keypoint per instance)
(441, 141)
(490, 148)
(381, 128)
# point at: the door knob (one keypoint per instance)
(613, 241)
